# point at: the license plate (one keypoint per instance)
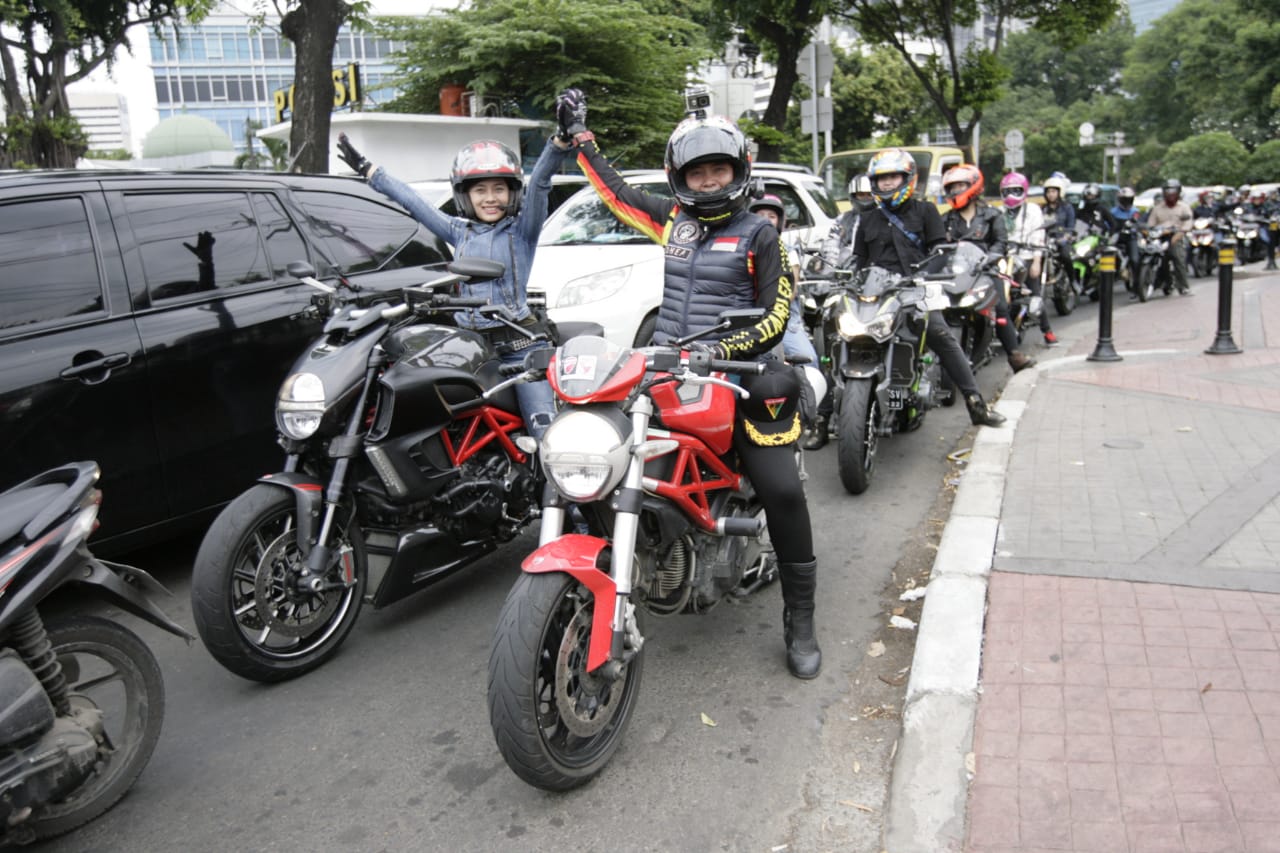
(896, 398)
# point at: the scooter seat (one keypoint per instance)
(19, 507)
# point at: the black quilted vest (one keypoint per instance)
(706, 273)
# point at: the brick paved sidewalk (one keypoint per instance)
(1122, 716)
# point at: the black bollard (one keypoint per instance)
(1104, 351)
(1223, 344)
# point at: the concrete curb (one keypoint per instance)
(930, 783)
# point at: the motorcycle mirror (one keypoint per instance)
(477, 268)
(740, 318)
(539, 359)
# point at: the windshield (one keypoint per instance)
(584, 218)
(584, 363)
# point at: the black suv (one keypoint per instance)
(147, 320)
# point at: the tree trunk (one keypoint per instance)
(313, 27)
(784, 83)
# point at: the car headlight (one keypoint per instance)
(300, 406)
(593, 288)
(585, 453)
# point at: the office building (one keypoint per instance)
(104, 116)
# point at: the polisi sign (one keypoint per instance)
(346, 91)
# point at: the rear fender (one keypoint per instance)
(308, 494)
(133, 589)
(578, 555)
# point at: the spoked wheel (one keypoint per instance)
(245, 597)
(556, 724)
(859, 430)
(108, 670)
(1146, 281)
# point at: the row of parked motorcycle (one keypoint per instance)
(406, 459)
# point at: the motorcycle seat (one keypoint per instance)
(20, 506)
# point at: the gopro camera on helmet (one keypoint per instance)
(697, 100)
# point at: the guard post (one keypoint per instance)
(1103, 350)
(1223, 344)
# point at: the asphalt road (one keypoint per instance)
(388, 746)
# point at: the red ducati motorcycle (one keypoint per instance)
(640, 455)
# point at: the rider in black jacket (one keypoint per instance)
(1093, 213)
(899, 232)
(971, 219)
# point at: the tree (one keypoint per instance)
(782, 28)
(312, 26)
(1209, 158)
(1199, 68)
(49, 44)
(630, 60)
(962, 75)
(1264, 163)
(875, 95)
(275, 153)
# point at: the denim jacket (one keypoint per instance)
(512, 240)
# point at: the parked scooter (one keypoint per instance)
(81, 696)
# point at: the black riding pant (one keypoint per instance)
(773, 473)
(939, 338)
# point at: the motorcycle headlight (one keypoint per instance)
(880, 327)
(1251, 234)
(1081, 251)
(976, 294)
(300, 406)
(593, 288)
(585, 453)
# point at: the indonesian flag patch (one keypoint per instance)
(725, 244)
(774, 405)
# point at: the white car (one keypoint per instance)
(591, 267)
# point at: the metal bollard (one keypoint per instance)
(1103, 350)
(1223, 344)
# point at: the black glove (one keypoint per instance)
(571, 114)
(353, 158)
(714, 350)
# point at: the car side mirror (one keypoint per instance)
(301, 269)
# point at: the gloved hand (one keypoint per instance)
(571, 114)
(353, 158)
(713, 350)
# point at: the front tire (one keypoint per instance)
(247, 610)
(556, 724)
(109, 668)
(1146, 281)
(1064, 295)
(859, 431)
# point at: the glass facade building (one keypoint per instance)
(227, 72)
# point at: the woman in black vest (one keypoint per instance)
(721, 256)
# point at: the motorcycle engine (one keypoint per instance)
(492, 494)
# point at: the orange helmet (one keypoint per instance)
(962, 184)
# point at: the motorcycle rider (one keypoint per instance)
(1171, 210)
(1124, 212)
(500, 221)
(837, 253)
(900, 231)
(718, 256)
(1206, 205)
(1025, 224)
(972, 219)
(1059, 220)
(1261, 209)
(1092, 212)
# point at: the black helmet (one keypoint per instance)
(1126, 194)
(476, 161)
(702, 140)
(860, 185)
(1091, 194)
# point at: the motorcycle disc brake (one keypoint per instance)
(586, 702)
(278, 604)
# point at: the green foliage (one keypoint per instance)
(42, 143)
(1264, 163)
(1208, 158)
(875, 95)
(629, 60)
(1207, 65)
(109, 154)
(1078, 74)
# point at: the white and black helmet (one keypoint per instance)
(701, 140)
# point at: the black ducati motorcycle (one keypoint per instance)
(401, 466)
(81, 696)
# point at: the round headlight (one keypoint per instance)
(300, 406)
(586, 453)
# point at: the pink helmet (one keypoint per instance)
(1013, 189)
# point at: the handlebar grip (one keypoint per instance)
(726, 366)
(510, 369)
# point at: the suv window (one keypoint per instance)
(195, 242)
(48, 270)
(284, 242)
(361, 235)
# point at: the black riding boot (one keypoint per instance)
(817, 438)
(980, 413)
(804, 658)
